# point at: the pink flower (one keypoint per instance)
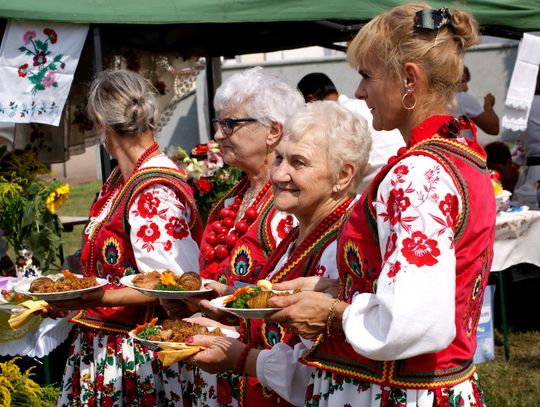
(49, 79)
(28, 36)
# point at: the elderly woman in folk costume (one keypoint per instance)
(243, 228)
(319, 162)
(415, 254)
(144, 219)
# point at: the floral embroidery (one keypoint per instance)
(111, 252)
(149, 233)
(394, 269)
(401, 171)
(284, 226)
(147, 206)
(390, 246)
(44, 77)
(449, 208)
(420, 250)
(177, 228)
(24, 110)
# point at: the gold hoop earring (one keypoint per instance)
(408, 93)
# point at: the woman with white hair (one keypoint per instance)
(243, 228)
(319, 162)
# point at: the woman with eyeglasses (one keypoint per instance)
(243, 228)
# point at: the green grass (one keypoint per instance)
(515, 383)
(80, 199)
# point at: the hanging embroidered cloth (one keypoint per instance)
(37, 64)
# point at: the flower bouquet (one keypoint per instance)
(206, 172)
(28, 205)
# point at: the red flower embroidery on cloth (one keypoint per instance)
(400, 171)
(177, 228)
(23, 70)
(224, 395)
(394, 269)
(390, 246)
(397, 203)
(167, 246)
(320, 270)
(284, 226)
(420, 250)
(449, 208)
(148, 205)
(49, 32)
(149, 233)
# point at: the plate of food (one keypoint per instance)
(172, 333)
(67, 286)
(250, 302)
(166, 284)
(10, 300)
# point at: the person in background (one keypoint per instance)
(385, 144)
(527, 190)
(415, 254)
(499, 158)
(319, 189)
(144, 219)
(466, 105)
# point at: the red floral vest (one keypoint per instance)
(250, 254)
(359, 261)
(302, 263)
(107, 252)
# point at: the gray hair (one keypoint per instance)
(263, 96)
(123, 101)
(342, 134)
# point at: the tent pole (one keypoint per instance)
(213, 81)
(97, 60)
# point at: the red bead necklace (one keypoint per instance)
(226, 232)
(153, 148)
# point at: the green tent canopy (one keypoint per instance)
(223, 27)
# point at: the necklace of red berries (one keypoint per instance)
(226, 232)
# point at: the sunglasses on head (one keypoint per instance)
(227, 125)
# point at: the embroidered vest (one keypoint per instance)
(302, 263)
(359, 263)
(107, 251)
(248, 257)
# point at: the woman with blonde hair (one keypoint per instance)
(415, 254)
(144, 219)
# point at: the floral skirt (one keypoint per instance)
(328, 389)
(110, 369)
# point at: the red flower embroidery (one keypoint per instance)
(224, 395)
(148, 205)
(107, 401)
(401, 170)
(394, 269)
(49, 32)
(177, 228)
(148, 400)
(204, 185)
(320, 270)
(390, 246)
(397, 203)
(149, 233)
(284, 226)
(40, 59)
(449, 207)
(23, 70)
(420, 250)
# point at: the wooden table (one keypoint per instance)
(69, 221)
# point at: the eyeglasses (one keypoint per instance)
(227, 125)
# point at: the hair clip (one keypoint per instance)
(432, 19)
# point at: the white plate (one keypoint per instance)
(155, 345)
(10, 308)
(166, 295)
(247, 313)
(24, 288)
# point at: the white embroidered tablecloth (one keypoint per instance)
(37, 337)
(517, 239)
